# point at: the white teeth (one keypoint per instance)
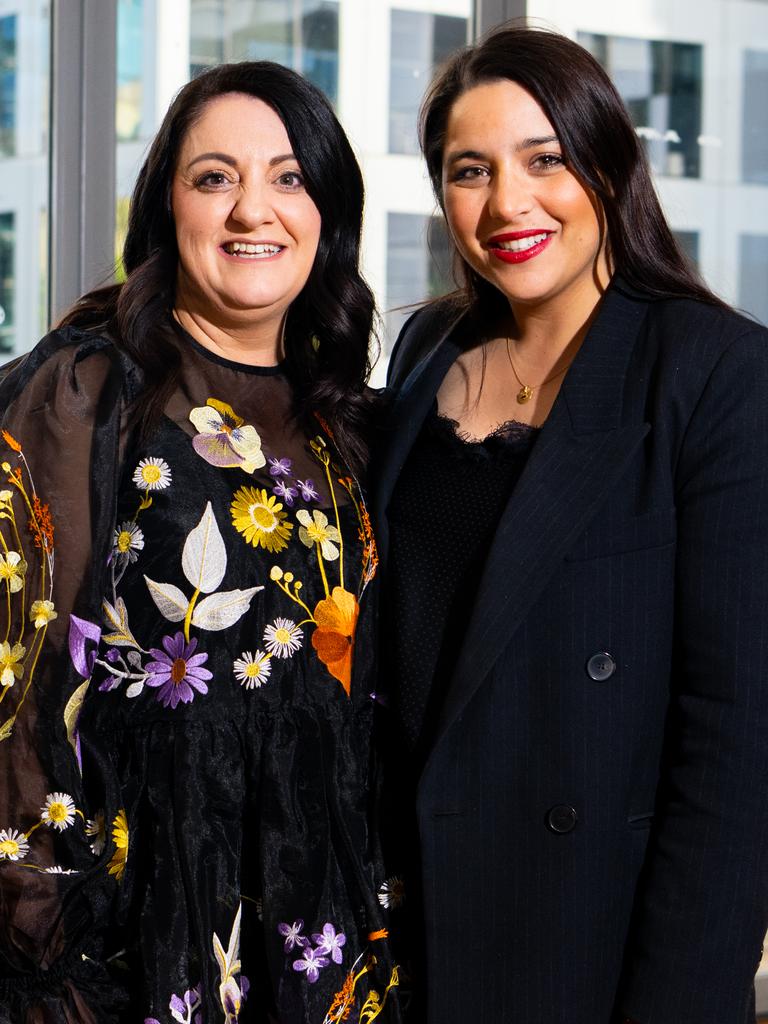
(253, 249)
(521, 244)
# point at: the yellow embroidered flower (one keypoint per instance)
(116, 865)
(152, 475)
(43, 612)
(260, 518)
(315, 529)
(58, 811)
(252, 670)
(10, 663)
(13, 844)
(5, 497)
(12, 569)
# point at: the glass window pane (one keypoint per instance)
(753, 285)
(418, 265)
(24, 136)
(754, 119)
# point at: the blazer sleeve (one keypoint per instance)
(702, 905)
(60, 420)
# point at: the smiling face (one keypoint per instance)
(246, 228)
(519, 217)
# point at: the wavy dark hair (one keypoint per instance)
(598, 143)
(335, 307)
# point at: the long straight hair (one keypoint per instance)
(598, 142)
(329, 324)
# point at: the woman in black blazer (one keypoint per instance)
(573, 513)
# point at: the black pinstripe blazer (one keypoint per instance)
(594, 831)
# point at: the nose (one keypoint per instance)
(510, 195)
(252, 206)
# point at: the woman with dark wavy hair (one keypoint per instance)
(571, 506)
(186, 564)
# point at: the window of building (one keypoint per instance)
(661, 84)
(130, 67)
(7, 282)
(418, 43)
(302, 34)
(753, 293)
(754, 118)
(689, 243)
(419, 256)
(8, 85)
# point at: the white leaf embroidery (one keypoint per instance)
(169, 599)
(224, 609)
(135, 688)
(204, 558)
(117, 617)
(229, 966)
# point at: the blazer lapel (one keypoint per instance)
(577, 459)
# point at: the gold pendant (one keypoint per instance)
(524, 394)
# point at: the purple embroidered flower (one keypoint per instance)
(112, 655)
(293, 936)
(330, 942)
(282, 490)
(110, 683)
(151, 1020)
(231, 1005)
(280, 467)
(177, 671)
(312, 963)
(182, 1009)
(307, 488)
(83, 634)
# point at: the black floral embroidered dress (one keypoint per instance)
(186, 703)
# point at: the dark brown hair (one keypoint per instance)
(598, 143)
(335, 307)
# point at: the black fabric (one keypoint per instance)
(591, 847)
(446, 508)
(219, 576)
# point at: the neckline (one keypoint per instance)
(511, 431)
(279, 369)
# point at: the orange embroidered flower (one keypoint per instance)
(343, 1001)
(334, 638)
(11, 441)
(41, 524)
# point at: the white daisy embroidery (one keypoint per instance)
(58, 811)
(392, 893)
(152, 475)
(56, 870)
(252, 670)
(13, 844)
(96, 828)
(128, 540)
(283, 638)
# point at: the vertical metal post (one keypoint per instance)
(83, 95)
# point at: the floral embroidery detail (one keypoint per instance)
(336, 618)
(344, 1000)
(121, 839)
(285, 491)
(224, 439)
(307, 490)
(292, 934)
(13, 844)
(152, 474)
(231, 992)
(312, 962)
(10, 662)
(315, 529)
(128, 541)
(260, 518)
(330, 941)
(283, 638)
(252, 670)
(96, 828)
(42, 613)
(12, 569)
(280, 467)
(58, 811)
(56, 870)
(182, 1009)
(392, 893)
(177, 671)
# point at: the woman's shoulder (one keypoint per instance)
(421, 333)
(68, 360)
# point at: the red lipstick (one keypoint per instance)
(518, 255)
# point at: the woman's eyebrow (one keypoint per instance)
(223, 157)
(529, 143)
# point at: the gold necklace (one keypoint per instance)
(525, 394)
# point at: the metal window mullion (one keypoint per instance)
(82, 194)
(488, 13)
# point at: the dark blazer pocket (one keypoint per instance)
(601, 538)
